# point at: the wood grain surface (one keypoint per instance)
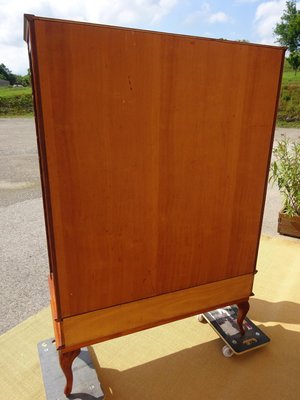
(97, 326)
(157, 149)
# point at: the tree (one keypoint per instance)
(7, 74)
(23, 80)
(288, 33)
(294, 60)
(288, 30)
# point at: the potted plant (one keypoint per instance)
(285, 172)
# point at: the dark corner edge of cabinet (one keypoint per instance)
(30, 39)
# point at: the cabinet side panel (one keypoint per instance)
(30, 36)
(157, 148)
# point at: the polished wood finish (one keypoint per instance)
(126, 318)
(243, 308)
(66, 361)
(58, 333)
(154, 153)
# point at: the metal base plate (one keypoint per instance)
(85, 384)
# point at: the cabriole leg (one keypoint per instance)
(243, 310)
(66, 361)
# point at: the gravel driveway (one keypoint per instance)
(23, 251)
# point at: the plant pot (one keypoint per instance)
(288, 225)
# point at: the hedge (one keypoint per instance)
(16, 105)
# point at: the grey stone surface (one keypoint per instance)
(86, 385)
(23, 250)
(19, 165)
(23, 262)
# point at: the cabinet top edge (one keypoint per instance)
(30, 18)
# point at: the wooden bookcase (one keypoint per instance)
(154, 154)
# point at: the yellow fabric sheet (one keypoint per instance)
(183, 360)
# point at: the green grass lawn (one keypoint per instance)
(12, 92)
(288, 72)
(15, 102)
(289, 77)
(289, 104)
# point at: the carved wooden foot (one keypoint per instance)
(243, 309)
(66, 360)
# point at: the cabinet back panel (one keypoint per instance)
(157, 149)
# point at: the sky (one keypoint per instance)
(252, 20)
